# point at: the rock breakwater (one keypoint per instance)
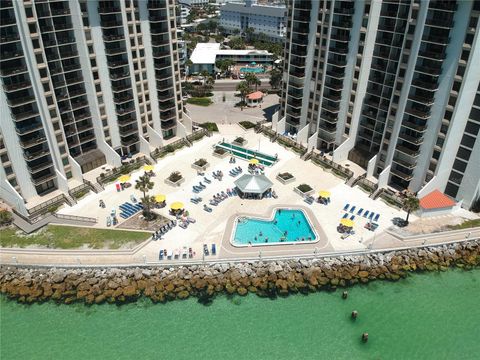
(266, 279)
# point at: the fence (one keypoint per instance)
(79, 191)
(390, 197)
(336, 168)
(47, 206)
(111, 175)
(178, 144)
(367, 185)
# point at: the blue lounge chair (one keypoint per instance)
(359, 213)
(345, 208)
(345, 216)
(366, 214)
(376, 217)
(370, 217)
(352, 217)
(352, 209)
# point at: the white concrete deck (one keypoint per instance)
(210, 227)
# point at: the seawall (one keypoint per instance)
(266, 279)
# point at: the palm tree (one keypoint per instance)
(205, 74)
(275, 78)
(244, 89)
(252, 79)
(249, 32)
(411, 204)
(145, 185)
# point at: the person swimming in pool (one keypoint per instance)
(261, 234)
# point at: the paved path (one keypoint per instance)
(385, 241)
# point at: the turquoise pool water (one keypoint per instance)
(247, 154)
(287, 226)
(252, 70)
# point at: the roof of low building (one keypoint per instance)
(206, 53)
(275, 11)
(253, 184)
(255, 95)
(436, 200)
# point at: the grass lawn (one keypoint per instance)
(201, 101)
(209, 126)
(247, 124)
(466, 224)
(69, 237)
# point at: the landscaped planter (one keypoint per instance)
(303, 192)
(176, 183)
(240, 143)
(285, 178)
(200, 165)
(220, 155)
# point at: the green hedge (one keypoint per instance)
(209, 126)
(200, 101)
(247, 124)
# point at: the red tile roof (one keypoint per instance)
(255, 95)
(436, 200)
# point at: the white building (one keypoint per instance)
(205, 55)
(267, 20)
(390, 85)
(83, 83)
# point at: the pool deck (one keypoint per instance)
(216, 227)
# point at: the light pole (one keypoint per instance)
(144, 258)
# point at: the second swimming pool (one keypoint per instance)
(287, 226)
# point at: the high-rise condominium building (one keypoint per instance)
(392, 85)
(82, 84)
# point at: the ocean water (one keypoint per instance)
(428, 316)
(291, 225)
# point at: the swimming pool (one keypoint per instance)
(247, 154)
(252, 70)
(286, 226)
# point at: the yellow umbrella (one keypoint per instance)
(124, 178)
(177, 205)
(160, 198)
(148, 167)
(346, 222)
(254, 161)
(324, 194)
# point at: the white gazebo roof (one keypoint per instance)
(253, 184)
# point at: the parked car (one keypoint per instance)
(234, 76)
(241, 76)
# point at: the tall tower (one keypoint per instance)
(387, 84)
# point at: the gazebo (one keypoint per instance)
(253, 186)
(255, 98)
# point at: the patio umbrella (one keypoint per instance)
(177, 205)
(160, 198)
(253, 63)
(124, 178)
(347, 222)
(254, 161)
(324, 194)
(148, 168)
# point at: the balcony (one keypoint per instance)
(429, 70)
(21, 100)
(7, 21)
(121, 87)
(123, 111)
(130, 141)
(63, 26)
(431, 86)
(111, 24)
(330, 108)
(13, 70)
(32, 169)
(157, 18)
(9, 55)
(156, 5)
(439, 40)
(117, 64)
(75, 93)
(25, 115)
(408, 151)
(438, 56)
(400, 173)
(29, 156)
(57, 12)
(42, 179)
(340, 37)
(414, 126)
(342, 24)
(119, 75)
(404, 163)
(122, 99)
(160, 54)
(126, 120)
(339, 50)
(85, 139)
(334, 85)
(421, 99)
(129, 130)
(446, 23)
(421, 114)
(17, 86)
(79, 104)
(443, 5)
(108, 10)
(32, 141)
(411, 139)
(169, 124)
(337, 62)
(159, 29)
(82, 116)
(115, 51)
(9, 38)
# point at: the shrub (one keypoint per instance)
(247, 124)
(169, 148)
(175, 176)
(285, 175)
(5, 217)
(102, 175)
(219, 151)
(304, 188)
(200, 162)
(52, 209)
(200, 101)
(209, 126)
(239, 140)
(80, 194)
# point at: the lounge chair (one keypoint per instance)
(345, 216)
(359, 213)
(183, 225)
(352, 209)
(376, 217)
(207, 209)
(214, 249)
(372, 214)
(207, 180)
(191, 220)
(352, 217)
(365, 215)
(345, 208)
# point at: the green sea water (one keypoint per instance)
(429, 316)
